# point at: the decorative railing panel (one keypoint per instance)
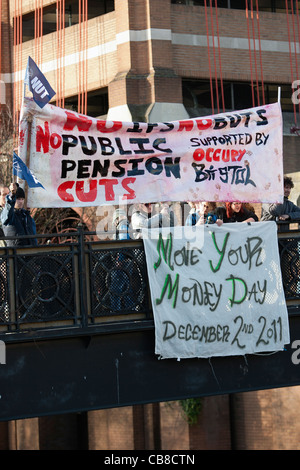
(45, 287)
(118, 281)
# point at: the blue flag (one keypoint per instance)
(38, 84)
(21, 171)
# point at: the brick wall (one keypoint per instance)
(6, 50)
(193, 61)
(159, 65)
(267, 420)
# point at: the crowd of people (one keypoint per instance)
(285, 211)
(206, 212)
(16, 222)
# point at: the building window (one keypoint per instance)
(95, 8)
(97, 103)
(275, 6)
(189, 2)
(237, 96)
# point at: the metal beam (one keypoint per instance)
(55, 376)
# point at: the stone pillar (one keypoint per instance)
(147, 427)
(174, 427)
(24, 434)
(6, 58)
(111, 429)
(4, 445)
(212, 431)
(266, 419)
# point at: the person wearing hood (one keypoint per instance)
(17, 221)
(285, 211)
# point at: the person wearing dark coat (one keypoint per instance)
(285, 211)
(17, 221)
(4, 191)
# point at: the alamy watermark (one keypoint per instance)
(296, 93)
(296, 354)
(194, 234)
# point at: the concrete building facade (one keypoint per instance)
(158, 60)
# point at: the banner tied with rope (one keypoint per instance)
(84, 161)
(216, 291)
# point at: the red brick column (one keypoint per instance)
(6, 55)
(145, 87)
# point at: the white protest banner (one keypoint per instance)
(216, 291)
(84, 161)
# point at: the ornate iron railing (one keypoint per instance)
(74, 287)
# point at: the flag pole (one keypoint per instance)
(29, 122)
(28, 146)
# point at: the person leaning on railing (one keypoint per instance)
(237, 212)
(285, 211)
(17, 221)
(203, 212)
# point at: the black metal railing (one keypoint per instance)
(74, 285)
(289, 253)
(83, 284)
